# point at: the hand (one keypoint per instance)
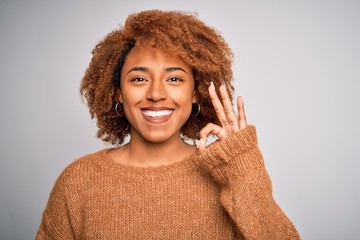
(230, 122)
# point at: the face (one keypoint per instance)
(157, 92)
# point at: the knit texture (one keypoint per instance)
(224, 193)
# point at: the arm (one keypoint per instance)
(236, 163)
(56, 223)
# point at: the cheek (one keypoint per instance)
(131, 95)
(130, 100)
(185, 98)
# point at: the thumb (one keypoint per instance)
(200, 145)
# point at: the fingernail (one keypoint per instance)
(202, 141)
(222, 83)
(197, 143)
(212, 85)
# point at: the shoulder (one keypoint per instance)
(84, 168)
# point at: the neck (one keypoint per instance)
(141, 153)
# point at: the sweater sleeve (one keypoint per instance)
(56, 220)
(237, 165)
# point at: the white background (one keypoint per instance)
(296, 63)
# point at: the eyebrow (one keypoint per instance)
(145, 69)
(172, 69)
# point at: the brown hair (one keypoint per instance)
(177, 33)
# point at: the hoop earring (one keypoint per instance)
(195, 109)
(116, 109)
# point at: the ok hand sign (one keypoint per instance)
(230, 122)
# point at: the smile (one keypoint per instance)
(157, 114)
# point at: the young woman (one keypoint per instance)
(163, 78)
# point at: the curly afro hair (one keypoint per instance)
(177, 33)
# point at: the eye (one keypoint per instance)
(138, 79)
(174, 79)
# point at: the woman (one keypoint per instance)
(161, 79)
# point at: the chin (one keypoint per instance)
(157, 138)
(156, 135)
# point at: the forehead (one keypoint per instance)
(152, 58)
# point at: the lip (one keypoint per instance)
(162, 114)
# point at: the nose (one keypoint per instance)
(156, 91)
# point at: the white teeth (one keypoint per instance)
(157, 113)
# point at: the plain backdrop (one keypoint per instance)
(296, 63)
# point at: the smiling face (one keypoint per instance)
(157, 92)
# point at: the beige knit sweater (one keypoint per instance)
(224, 193)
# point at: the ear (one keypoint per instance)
(194, 97)
(120, 97)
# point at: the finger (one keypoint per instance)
(241, 113)
(231, 116)
(219, 109)
(200, 146)
(213, 129)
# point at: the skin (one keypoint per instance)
(155, 83)
(230, 121)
